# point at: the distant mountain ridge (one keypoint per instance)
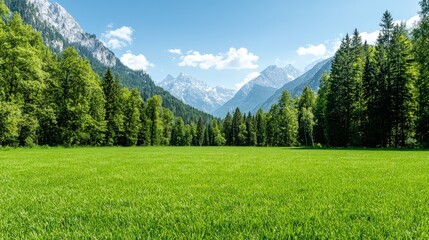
(311, 78)
(60, 30)
(258, 90)
(196, 93)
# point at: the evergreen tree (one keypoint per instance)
(372, 97)
(154, 112)
(344, 108)
(200, 132)
(261, 126)
(320, 111)
(403, 73)
(178, 137)
(114, 112)
(193, 133)
(381, 108)
(237, 120)
(227, 129)
(251, 131)
(210, 135)
(421, 50)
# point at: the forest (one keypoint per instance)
(374, 96)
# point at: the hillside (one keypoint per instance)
(50, 18)
(259, 89)
(311, 78)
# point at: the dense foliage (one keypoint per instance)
(129, 78)
(374, 96)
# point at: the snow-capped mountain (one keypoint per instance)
(55, 16)
(60, 30)
(196, 92)
(310, 78)
(258, 90)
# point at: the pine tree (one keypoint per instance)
(344, 108)
(382, 107)
(227, 129)
(421, 50)
(371, 98)
(200, 132)
(403, 73)
(261, 126)
(178, 133)
(320, 111)
(210, 135)
(114, 112)
(154, 112)
(251, 131)
(237, 120)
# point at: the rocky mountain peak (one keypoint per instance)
(56, 17)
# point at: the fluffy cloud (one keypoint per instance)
(320, 51)
(233, 59)
(410, 23)
(136, 62)
(175, 51)
(315, 50)
(247, 79)
(370, 38)
(118, 38)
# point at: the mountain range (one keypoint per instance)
(258, 90)
(196, 93)
(311, 78)
(186, 96)
(60, 30)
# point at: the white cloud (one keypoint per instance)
(315, 50)
(175, 51)
(233, 59)
(118, 38)
(123, 33)
(320, 51)
(370, 38)
(115, 44)
(410, 23)
(136, 62)
(247, 79)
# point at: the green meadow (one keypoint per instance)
(213, 193)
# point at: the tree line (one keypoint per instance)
(374, 96)
(377, 96)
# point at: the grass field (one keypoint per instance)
(222, 193)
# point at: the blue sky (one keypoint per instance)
(224, 41)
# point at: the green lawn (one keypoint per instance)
(222, 193)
